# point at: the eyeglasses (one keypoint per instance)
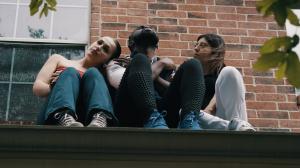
(201, 45)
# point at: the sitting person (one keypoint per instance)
(225, 91)
(75, 89)
(139, 104)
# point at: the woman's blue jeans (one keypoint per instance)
(81, 96)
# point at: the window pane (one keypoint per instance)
(71, 29)
(5, 62)
(73, 2)
(24, 105)
(8, 1)
(7, 20)
(32, 26)
(3, 98)
(73, 53)
(28, 61)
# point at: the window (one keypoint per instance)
(26, 42)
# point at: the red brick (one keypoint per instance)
(207, 2)
(230, 31)
(261, 89)
(252, 25)
(109, 18)
(202, 30)
(113, 26)
(233, 17)
(163, 21)
(250, 56)
(201, 15)
(273, 114)
(172, 14)
(138, 5)
(221, 9)
(270, 97)
(264, 123)
(238, 63)
(295, 115)
(179, 29)
(289, 123)
(186, 53)
(253, 40)
(230, 2)
(113, 34)
(113, 11)
(288, 106)
(108, 3)
(233, 55)
(274, 26)
(231, 39)
(172, 44)
(168, 52)
(246, 10)
(230, 24)
(168, 36)
(124, 34)
(193, 22)
(138, 12)
(161, 6)
(259, 18)
(192, 7)
(252, 113)
(170, 1)
(132, 19)
(262, 33)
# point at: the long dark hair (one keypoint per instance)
(216, 42)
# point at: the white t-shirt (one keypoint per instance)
(114, 73)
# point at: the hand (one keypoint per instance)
(54, 77)
(169, 64)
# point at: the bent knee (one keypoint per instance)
(71, 71)
(92, 73)
(230, 72)
(193, 65)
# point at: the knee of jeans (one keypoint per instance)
(71, 72)
(231, 73)
(193, 65)
(92, 73)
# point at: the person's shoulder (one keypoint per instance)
(57, 57)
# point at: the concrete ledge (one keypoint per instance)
(46, 146)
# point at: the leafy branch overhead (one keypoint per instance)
(278, 51)
(45, 5)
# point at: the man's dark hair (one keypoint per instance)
(142, 39)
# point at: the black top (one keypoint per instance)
(210, 82)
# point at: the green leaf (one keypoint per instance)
(293, 69)
(280, 72)
(293, 18)
(44, 10)
(264, 6)
(276, 44)
(34, 6)
(51, 3)
(280, 13)
(270, 60)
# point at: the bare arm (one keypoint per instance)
(157, 67)
(41, 86)
(211, 107)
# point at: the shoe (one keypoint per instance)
(66, 120)
(240, 125)
(99, 120)
(156, 120)
(189, 121)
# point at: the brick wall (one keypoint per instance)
(271, 104)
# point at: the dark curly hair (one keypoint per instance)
(216, 62)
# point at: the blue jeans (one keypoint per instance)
(82, 96)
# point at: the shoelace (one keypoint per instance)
(157, 116)
(65, 120)
(100, 119)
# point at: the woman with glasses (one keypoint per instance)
(76, 91)
(225, 92)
